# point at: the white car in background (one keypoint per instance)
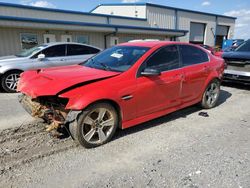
(42, 56)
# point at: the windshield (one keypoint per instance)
(31, 51)
(118, 58)
(244, 47)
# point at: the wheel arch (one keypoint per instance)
(13, 70)
(114, 104)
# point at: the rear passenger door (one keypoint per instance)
(79, 53)
(195, 63)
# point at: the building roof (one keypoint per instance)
(163, 6)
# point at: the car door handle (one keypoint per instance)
(63, 59)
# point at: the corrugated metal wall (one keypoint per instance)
(185, 18)
(227, 22)
(41, 14)
(130, 11)
(11, 43)
(161, 17)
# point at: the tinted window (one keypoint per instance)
(245, 47)
(75, 49)
(192, 55)
(166, 58)
(54, 51)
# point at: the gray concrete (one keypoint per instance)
(11, 113)
(182, 149)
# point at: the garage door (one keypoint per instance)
(197, 32)
(222, 30)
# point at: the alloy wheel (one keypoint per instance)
(212, 93)
(11, 81)
(98, 125)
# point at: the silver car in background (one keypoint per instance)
(42, 56)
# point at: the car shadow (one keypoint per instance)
(184, 113)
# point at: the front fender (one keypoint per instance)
(81, 101)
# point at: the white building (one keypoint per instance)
(22, 26)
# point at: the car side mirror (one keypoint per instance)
(41, 57)
(150, 72)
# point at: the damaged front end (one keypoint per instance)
(50, 108)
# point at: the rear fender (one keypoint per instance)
(214, 75)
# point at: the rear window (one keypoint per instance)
(191, 55)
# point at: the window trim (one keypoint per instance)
(87, 36)
(138, 73)
(182, 66)
(20, 37)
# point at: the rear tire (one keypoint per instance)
(95, 126)
(211, 94)
(9, 81)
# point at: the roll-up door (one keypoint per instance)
(197, 32)
(222, 30)
(221, 34)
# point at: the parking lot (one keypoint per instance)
(182, 149)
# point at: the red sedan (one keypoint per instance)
(121, 87)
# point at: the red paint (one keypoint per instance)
(152, 96)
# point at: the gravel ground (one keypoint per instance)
(182, 149)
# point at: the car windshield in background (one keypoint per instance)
(31, 51)
(118, 58)
(244, 47)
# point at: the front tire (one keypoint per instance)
(211, 95)
(9, 81)
(96, 125)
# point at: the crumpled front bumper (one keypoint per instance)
(35, 109)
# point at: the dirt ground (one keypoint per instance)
(182, 149)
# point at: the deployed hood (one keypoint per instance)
(47, 82)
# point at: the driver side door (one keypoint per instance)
(156, 93)
(54, 56)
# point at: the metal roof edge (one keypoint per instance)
(191, 11)
(67, 11)
(163, 6)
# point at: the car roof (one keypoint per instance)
(151, 44)
(58, 43)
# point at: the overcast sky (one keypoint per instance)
(236, 8)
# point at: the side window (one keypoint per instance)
(191, 55)
(93, 50)
(55, 51)
(165, 59)
(74, 49)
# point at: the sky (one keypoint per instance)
(235, 8)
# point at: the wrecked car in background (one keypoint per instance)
(238, 64)
(121, 87)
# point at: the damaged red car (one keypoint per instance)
(121, 87)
